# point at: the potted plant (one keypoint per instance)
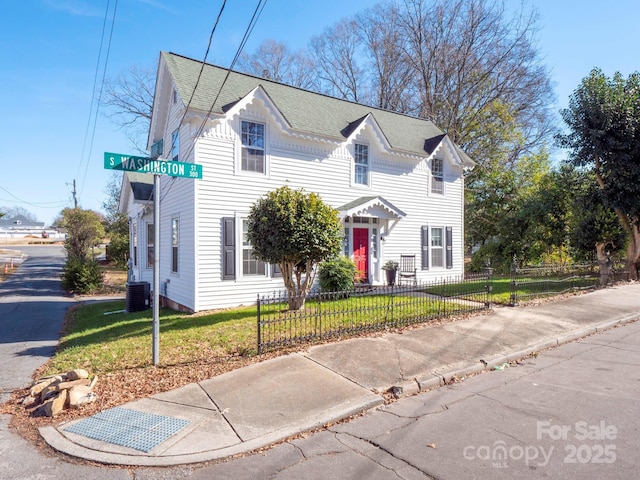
(391, 267)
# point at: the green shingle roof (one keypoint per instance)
(304, 111)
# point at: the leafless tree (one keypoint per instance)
(275, 61)
(388, 67)
(336, 52)
(467, 54)
(128, 99)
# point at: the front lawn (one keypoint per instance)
(100, 342)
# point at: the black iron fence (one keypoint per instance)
(535, 282)
(365, 309)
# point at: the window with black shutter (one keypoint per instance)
(229, 248)
(449, 246)
(425, 247)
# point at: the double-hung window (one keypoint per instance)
(174, 244)
(361, 164)
(437, 176)
(250, 264)
(150, 245)
(253, 154)
(437, 247)
(175, 145)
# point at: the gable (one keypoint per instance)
(297, 112)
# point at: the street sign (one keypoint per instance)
(130, 163)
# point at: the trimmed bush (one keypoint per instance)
(337, 274)
(81, 277)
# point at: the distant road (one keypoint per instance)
(32, 310)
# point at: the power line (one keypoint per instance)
(93, 91)
(104, 73)
(195, 87)
(16, 199)
(254, 19)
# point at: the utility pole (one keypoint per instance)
(75, 196)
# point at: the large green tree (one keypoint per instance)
(595, 228)
(116, 223)
(603, 119)
(295, 230)
(84, 231)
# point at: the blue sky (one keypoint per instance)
(49, 52)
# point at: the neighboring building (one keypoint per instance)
(20, 222)
(396, 180)
(20, 226)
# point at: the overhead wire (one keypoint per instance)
(104, 73)
(195, 87)
(93, 96)
(55, 204)
(254, 19)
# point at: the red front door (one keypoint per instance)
(361, 253)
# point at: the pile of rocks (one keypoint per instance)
(57, 392)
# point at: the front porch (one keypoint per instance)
(368, 222)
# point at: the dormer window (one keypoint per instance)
(361, 164)
(253, 154)
(437, 176)
(175, 145)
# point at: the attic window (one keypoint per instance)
(361, 165)
(437, 176)
(253, 154)
(175, 96)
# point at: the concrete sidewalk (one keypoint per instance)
(267, 402)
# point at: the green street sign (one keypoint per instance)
(130, 163)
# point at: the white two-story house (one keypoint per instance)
(397, 182)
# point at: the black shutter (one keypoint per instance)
(449, 246)
(228, 248)
(425, 247)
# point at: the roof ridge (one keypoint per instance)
(325, 95)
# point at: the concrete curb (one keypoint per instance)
(437, 379)
(61, 443)
(56, 439)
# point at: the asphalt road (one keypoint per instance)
(32, 308)
(571, 413)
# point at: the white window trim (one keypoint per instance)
(238, 159)
(175, 145)
(431, 177)
(240, 254)
(146, 245)
(353, 166)
(443, 248)
(178, 246)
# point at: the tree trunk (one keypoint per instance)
(296, 302)
(604, 262)
(633, 252)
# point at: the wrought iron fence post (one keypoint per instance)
(513, 299)
(259, 330)
(488, 271)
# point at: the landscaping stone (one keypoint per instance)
(77, 374)
(56, 392)
(54, 406)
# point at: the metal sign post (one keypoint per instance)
(131, 163)
(156, 271)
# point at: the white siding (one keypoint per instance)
(323, 166)
(318, 167)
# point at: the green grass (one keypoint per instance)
(118, 341)
(105, 343)
(357, 313)
(528, 287)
